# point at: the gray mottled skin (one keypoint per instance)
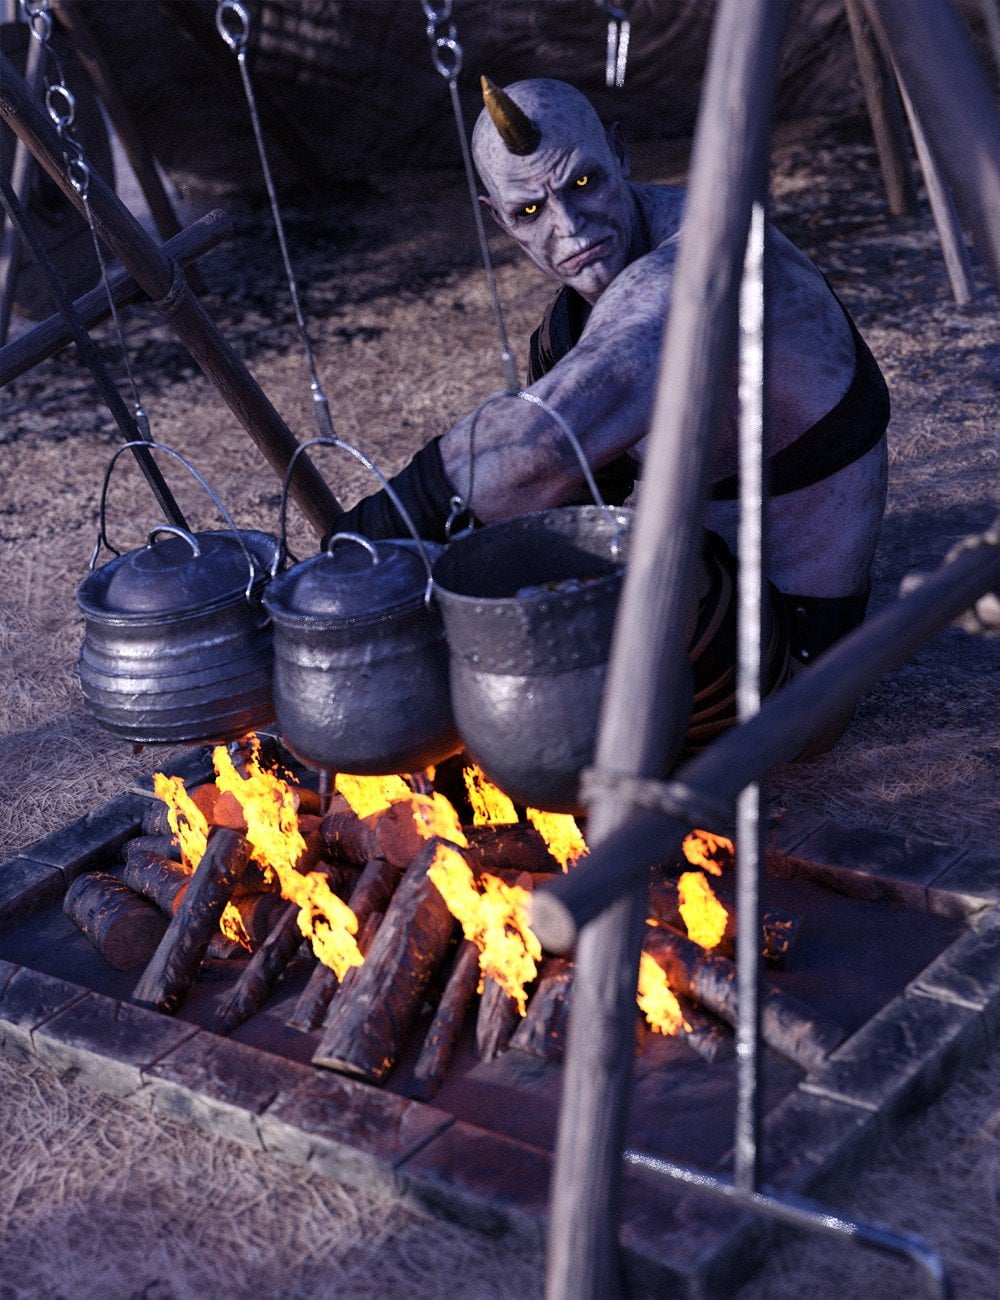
(616, 243)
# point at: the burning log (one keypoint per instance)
(514, 847)
(371, 893)
(368, 1025)
(155, 821)
(496, 1021)
(442, 1036)
(779, 928)
(542, 1032)
(173, 966)
(392, 834)
(165, 846)
(124, 928)
(705, 1034)
(788, 1026)
(262, 972)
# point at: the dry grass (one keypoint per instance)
(97, 1200)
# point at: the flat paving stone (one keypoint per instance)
(88, 843)
(348, 1130)
(493, 1183)
(968, 972)
(806, 1139)
(107, 1043)
(786, 830)
(902, 1057)
(26, 887)
(27, 1000)
(868, 863)
(221, 1085)
(969, 885)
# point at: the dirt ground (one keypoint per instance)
(99, 1200)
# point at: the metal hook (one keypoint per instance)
(237, 36)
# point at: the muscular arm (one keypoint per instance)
(603, 389)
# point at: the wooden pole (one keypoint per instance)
(53, 333)
(163, 280)
(885, 112)
(949, 228)
(646, 701)
(955, 104)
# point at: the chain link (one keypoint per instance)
(60, 104)
(447, 56)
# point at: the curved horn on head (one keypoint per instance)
(516, 128)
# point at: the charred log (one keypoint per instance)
(124, 928)
(262, 973)
(542, 1032)
(175, 962)
(515, 847)
(392, 834)
(443, 1034)
(788, 1026)
(369, 1024)
(496, 1020)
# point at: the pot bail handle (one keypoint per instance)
(102, 536)
(366, 542)
(176, 531)
(391, 492)
(460, 506)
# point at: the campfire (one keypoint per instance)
(403, 892)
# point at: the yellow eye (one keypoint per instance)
(581, 181)
(529, 210)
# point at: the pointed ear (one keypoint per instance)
(493, 210)
(616, 141)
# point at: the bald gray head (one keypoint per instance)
(568, 202)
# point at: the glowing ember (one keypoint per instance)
(703, 915)
(708, 851)
(561, 835)
(494, 916)
(490, 806)
(656, 999)
(269, 806)
(371, 794)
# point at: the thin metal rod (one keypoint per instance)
(646, 700)
(20, 180)
(132, 429)
(956, 106)
(750, 636)
(800, 1212)
(949, 228)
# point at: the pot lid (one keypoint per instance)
(178, 572)
(354, 577)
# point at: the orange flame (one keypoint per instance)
(269, 807)
(708, 851)
(436, 818)
(656, 999)
(494, 916)
(490, 806)
(561, 835)
(190, 829)
(703, 915)
(371, 794)
(186, 819)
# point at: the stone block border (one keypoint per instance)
(675, 1241)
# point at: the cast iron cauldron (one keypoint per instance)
(360, 660)
(528, 607)
(177, 645)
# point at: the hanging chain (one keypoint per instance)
(60, 103)
(619, 31)
(447, 55)
(232, 21)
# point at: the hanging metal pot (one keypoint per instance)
(177, 645)
(529, 607)
(360, 660)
